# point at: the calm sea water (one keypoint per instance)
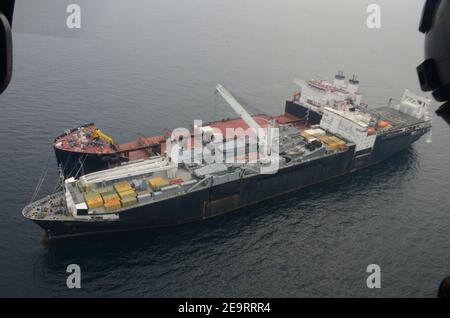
(154, 66)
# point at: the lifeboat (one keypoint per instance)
(383, 124)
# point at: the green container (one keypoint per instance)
(129, 201)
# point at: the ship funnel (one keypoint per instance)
(339, 79)
(353, 85)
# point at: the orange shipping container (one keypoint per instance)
(175, 181)
(93, 200)
(112, 204)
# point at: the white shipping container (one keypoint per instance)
(145, 198)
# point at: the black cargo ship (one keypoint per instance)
(322, 141)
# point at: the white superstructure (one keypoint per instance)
(350, 125)
(414, 105)
(318, 94)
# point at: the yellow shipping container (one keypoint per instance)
(94, 204)
(305, 135)
(330, 141)
(308, 137)
(333, 145)
(93, 200)
(110, 195)
(122, 187)
(129, 201)
(157, 183)
(337, 140)
(322, 139)
(129, 193)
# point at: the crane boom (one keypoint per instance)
(97, 133)
(240, 110)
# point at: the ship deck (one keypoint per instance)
(396, 119)
(79, 140)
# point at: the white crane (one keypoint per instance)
(240, 110)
